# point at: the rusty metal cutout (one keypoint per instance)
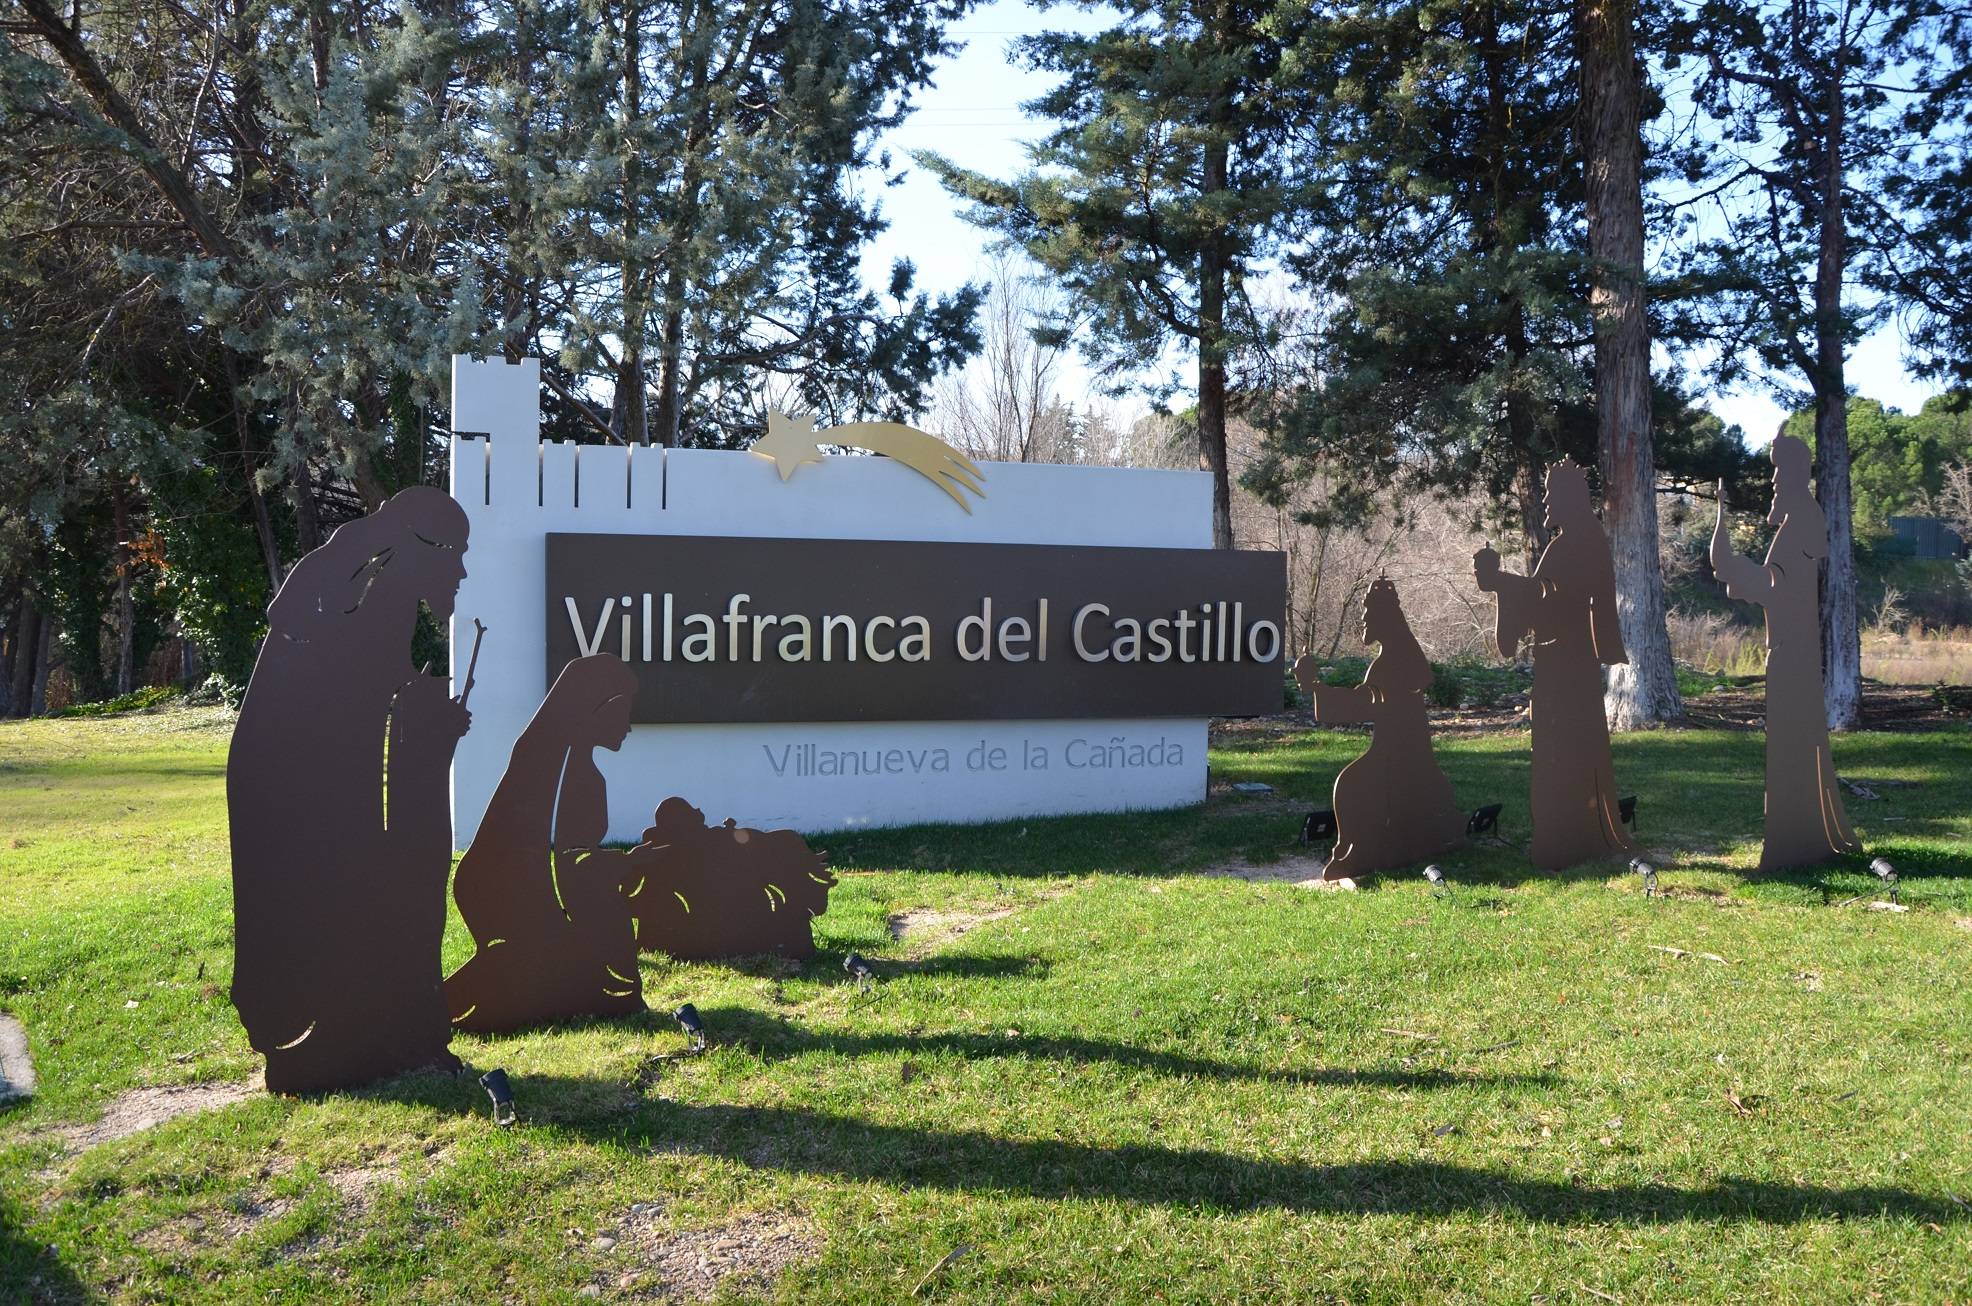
(340, 816)
(545, 902)
(1393, 805)
(1805, 820)
(1568, 609)
(727, 891)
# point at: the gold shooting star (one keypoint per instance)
(793, 441)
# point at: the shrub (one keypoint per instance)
(218, 688)
(137, 700)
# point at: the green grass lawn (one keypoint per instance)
(1107, 1075)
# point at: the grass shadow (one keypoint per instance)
(774, 1037)
(29, 1269)
(796, 1140)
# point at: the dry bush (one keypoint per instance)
(1003, 404)
(1953, 502)
(1426, 551)
(1919, 657)
(1710, 641)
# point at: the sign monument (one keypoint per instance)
(834, 642)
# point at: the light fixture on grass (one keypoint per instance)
(694, 1026)
(1649, 874)
(1887, 873)
(859, 969)
(1484, 821)
(1318, 827)
(496, 1086)
(1436, 878)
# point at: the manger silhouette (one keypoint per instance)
(1567, 608)
(559, 919)
(1805, 821)
(727, 891)
(1393, 804)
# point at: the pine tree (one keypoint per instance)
(1167, 183)
(1455, 352)
(721, 196)
(1823, 110)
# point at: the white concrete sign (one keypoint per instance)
(810, 776)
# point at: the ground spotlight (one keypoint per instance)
(1436, 878)
(1626, 812)
(859, 969)
(1649, 874)
(694, 1026)
(1887, 873)
(496, 1086)
(1484, 821)
(1319, 827)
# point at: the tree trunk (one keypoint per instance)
(307, 522)
(10, 652)
(1212, 354)
(670, 384)
(1841, 640)
(1645, 691)
(629, 413)
(1529, 492)
(263, 526)
(126, 606)
(1212, 446)
(44, 656)
(23, 647)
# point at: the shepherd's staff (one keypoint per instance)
(472, 664)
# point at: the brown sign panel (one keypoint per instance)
(727, 629)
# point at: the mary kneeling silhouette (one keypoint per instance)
(1393, 805)
(544, 902)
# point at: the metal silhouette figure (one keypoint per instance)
(1805, 820)
(545, 902)
(726, 891)
(1568, 608)
(336, 794)
(1393, 804)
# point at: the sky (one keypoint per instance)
(972, 115)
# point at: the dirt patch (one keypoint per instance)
(747, 1254)
(356, 1189)
(1302, 870)
(141, 1108)
(204, 1230)
(924, 926)
(1695, 893)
